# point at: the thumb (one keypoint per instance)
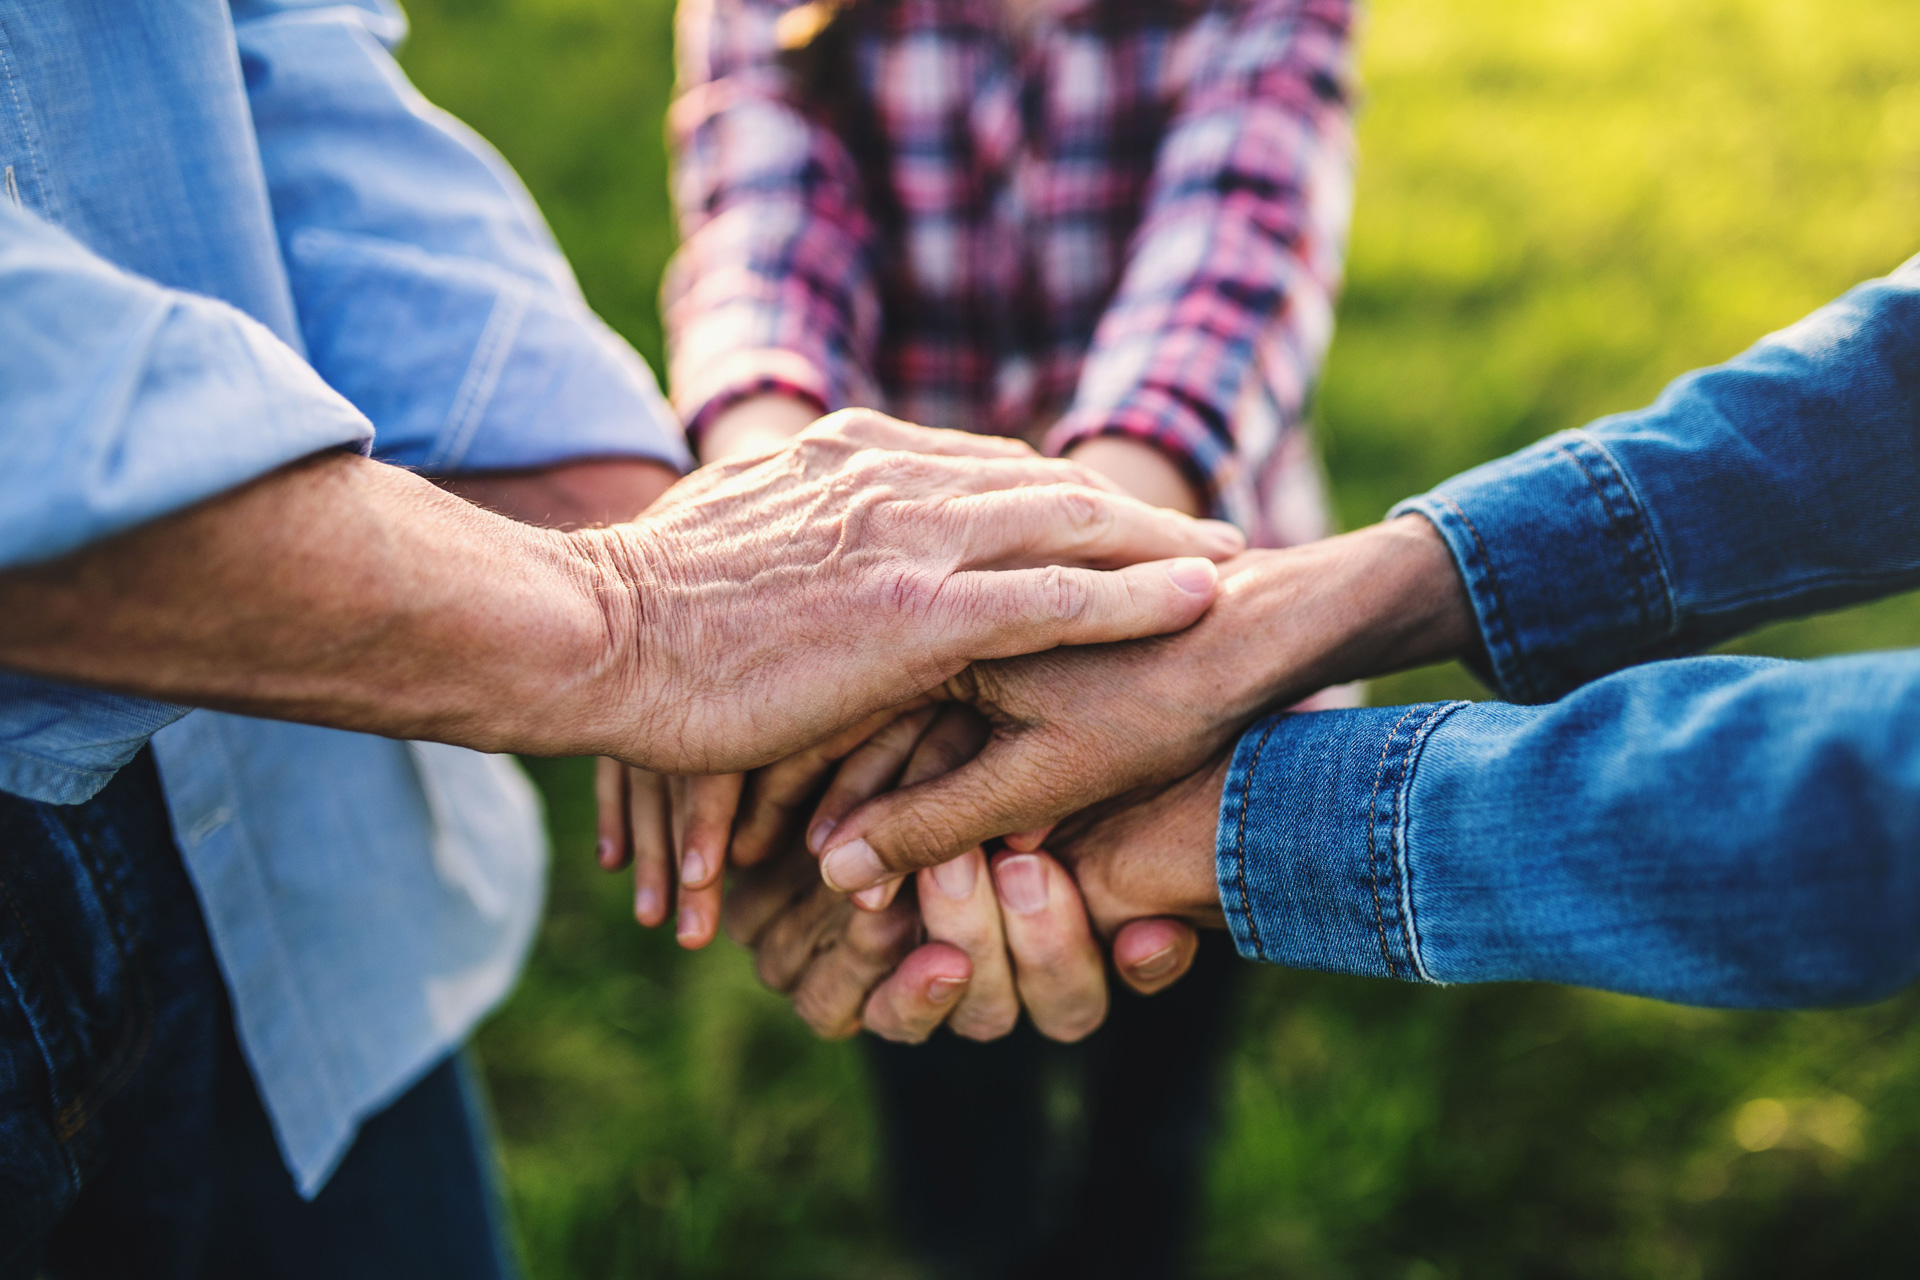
(1003, 613)
(1003, 789)
(1153, 954)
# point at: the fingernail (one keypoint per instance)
(817, 834)
(871, 899)
(1193, 576)
(605, 852)
(854, 865)
(1157, 965)
(688, 925)
(646, 904)
(955, 879)
(1022, 882)
(941, 990)
(693, 868)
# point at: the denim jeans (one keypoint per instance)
(132, 1142)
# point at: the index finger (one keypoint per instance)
(778, 796)
(1013, 528)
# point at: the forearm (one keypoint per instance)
(1719, 831)
(1367, 603)
(343, 592)
(1781, 483)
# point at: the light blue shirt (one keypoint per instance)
(231, 237)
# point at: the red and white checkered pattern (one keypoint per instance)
(1128, 218)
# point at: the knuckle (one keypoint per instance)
(891, 1024)
(985, 1025)
(1083, 509)
(1063, 592)
(932, 838)
(1075, 1025)
(906, 590)
(829, 1018)
(877, 941)
(770, 966)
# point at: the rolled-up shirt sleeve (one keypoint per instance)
(1233, 271)
(773, 289)
(1779, 484)
(1720, 831)
(429, 290)
(122, 401)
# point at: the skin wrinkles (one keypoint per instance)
(963, 528)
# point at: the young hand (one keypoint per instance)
(1073, 728)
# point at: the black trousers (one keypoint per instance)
(1028, 1158)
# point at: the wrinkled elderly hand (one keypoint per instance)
(779, 625)
(778, 599)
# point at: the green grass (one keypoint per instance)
(1561, 207)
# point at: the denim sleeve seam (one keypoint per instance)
(1373, 861)
(1627, 524)
(1240, 843)
(1501, 637)
(1397, 837)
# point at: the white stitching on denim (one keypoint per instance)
(1524, 683)
(1373, 858)
(26, 131)
(1240, 842)
(1397, 833)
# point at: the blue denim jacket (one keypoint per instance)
(230, 237)
(1714, 830)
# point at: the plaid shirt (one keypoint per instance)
(1127, 220)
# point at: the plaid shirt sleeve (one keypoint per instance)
(772, 288)
(1232, 273)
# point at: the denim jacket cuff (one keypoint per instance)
(1311, 850)
(1565, 575)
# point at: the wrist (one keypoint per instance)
(757, 424)
(1141, 469)
(588, 695)
(1362, 604)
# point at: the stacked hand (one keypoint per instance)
(1112, 754)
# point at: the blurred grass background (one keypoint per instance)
(1562, 205)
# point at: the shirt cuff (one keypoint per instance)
(1311, 850)
(743, 375)
(1566, 578)
(1169, 423)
